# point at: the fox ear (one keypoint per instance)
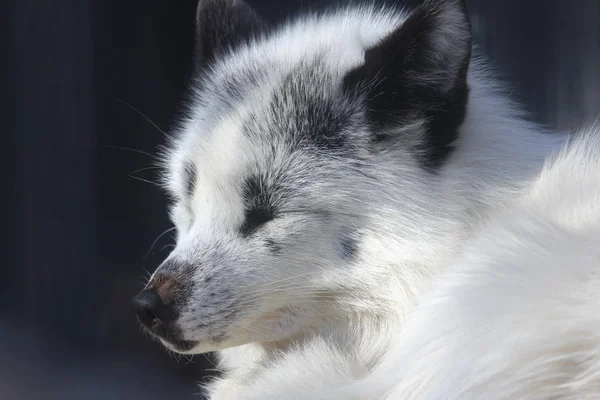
(221, 25)
(419, 73)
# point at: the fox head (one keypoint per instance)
(304, 157)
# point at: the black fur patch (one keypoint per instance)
(349, 247)
(404, 85)
(273, 247)
(222, 25)
(325, 127)
(259, 205)
(190, 177)
(317, 118)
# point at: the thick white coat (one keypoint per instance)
(509, 232)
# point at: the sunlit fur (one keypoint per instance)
(514, 317)
(297, 313)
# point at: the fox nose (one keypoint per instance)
(149, 308)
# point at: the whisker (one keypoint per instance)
(189, 358)
(144, 116)
(157, 239)
(143, 180)
(287, 286)
(305, 299)
(166, 245)
(144, 169)
(209, 361)
(147, 272)
(132, 150)
(289, 278)
(211, 369)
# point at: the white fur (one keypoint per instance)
(515, 317)
(511, 313)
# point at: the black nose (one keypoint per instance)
(149, 307)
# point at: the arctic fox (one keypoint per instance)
(361, 213)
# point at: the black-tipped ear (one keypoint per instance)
(221, 25)
(419, 73)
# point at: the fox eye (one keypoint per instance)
(254, 219)
(258, 205)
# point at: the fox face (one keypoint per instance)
(299, 143)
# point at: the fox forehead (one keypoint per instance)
(303, 120)
(240, 179)
(260, 88)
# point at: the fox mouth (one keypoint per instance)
(178, 345)
(169, 335)
(158, 317)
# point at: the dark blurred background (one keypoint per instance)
(79, 226)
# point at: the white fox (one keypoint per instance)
(362, 214)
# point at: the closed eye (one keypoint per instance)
(254, 218)
(259, 204)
